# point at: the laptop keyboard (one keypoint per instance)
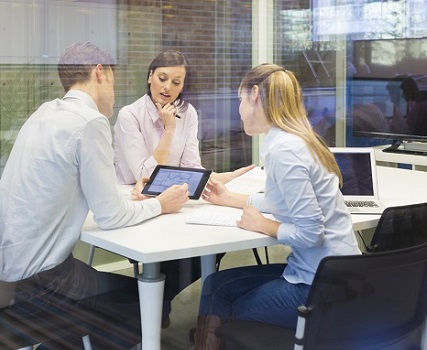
(361, 204)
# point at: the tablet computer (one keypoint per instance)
(164, 176)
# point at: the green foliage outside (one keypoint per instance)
(22, 91)
(17, 98)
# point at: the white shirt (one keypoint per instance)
(306, 199)
(61, 166)
(137, 133)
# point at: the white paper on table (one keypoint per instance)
(218, 218)
(202, 217)
(250, 182)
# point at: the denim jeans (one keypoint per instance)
(257, 293)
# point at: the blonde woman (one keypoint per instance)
(302, 191)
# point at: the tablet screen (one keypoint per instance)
(165, 176)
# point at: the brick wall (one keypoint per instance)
(216, 37)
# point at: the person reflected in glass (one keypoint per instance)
(161, 128)
(416, 106)
(397, 122)
(302, 192)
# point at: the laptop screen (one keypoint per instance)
(356, 172)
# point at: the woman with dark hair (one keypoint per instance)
(161, 128)
(146, 129)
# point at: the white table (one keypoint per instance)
(168, 237)
(396, 187)
(416, 161)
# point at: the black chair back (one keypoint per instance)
(366, 302)
(357, 302)
(400, 227)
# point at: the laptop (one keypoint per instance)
(360, 185)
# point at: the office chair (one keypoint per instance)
(358, 302)
(400, 227)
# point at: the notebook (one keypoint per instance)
(360, 186)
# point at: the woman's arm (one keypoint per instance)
(216, 193)
(190, 157)
(230, 175)
(162, 151)
(253, 220)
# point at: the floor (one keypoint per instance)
(185, 305)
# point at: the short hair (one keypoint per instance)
(77, 62)
(170, 58)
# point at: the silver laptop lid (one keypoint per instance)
(358, 168)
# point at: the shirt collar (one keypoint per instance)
(81, 96)
(152, 109)
(269, 136)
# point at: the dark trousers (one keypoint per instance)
(180, 274)
(72, 300)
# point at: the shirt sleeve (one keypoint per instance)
(99, 183)
(191, 154)
(305, 225)
(133, 145)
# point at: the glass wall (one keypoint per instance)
(216, 37)
(351, 57)
(362, 66)
(346, 54)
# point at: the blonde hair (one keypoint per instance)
(281, 98)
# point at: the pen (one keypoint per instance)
(176, 103)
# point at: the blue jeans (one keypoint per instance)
(257, 293)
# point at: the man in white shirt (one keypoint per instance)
(61, 166)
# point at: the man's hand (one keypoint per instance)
(136, 192)
(174, 198)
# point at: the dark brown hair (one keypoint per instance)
(170, 58)
(77, 62)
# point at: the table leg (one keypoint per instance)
(208, 265)
(151, 285)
